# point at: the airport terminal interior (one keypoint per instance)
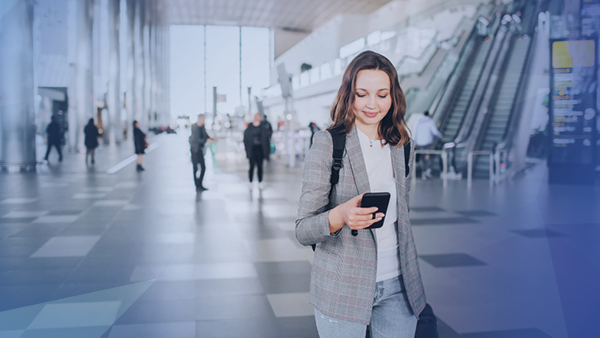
(505, 209)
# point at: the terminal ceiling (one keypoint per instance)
(291, 15)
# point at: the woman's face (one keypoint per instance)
(372, 100)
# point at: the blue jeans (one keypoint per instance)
(391, 317)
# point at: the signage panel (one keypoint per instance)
(573, 111)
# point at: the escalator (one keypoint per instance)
(454, 117)
(497, 121)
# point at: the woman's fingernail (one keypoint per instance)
(380, 218)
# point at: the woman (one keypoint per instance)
(91, 139)
(257, 144)
(139, 140)
(364, 282)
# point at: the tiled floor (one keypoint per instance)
(84, 253)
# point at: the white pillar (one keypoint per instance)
(17, 118)
(114, 91)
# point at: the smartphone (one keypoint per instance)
(379, 200)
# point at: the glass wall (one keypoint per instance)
(236, 58)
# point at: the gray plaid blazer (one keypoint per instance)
(344, 271)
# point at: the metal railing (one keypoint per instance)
(444, 164)
(471, 155)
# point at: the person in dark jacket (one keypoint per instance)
(313, 129)
(139, 140)
(198, 140)
(257, 141)
(54, 137)
(91, 139)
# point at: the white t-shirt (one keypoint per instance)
(378, 160)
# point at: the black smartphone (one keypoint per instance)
(379, 200)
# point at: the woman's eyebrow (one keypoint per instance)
(377, 89)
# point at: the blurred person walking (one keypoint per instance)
(91, 139)
(139, 140)
(364, 282)
(198, 141)
(54, 135)
(257, 141)
(424, 135)
(313, 129)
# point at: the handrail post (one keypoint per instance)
(469, 170)
(492, 170)
(445, 168)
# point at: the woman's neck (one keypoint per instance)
(256, 124)
(372, 131)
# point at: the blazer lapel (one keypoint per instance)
(357, 162)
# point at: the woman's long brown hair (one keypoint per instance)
(392, 128)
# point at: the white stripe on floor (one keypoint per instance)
(129, 160)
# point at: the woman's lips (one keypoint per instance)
(370, 114)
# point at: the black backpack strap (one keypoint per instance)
(339, 143)
(406, 158)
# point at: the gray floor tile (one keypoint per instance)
(442, 221)
(284, 277)
(247, 328)
(298, 327)
(290, 304)
(520, 333)
(229, 287)
(538, 233)
(476, 213)
(426, 208)
(67, 246)
(233, 307)
(451, 260)
(155, 330)
(159, 312)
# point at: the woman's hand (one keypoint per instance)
(352, 215)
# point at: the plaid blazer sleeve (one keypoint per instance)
(312, 224)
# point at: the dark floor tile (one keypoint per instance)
(65, 212)
(229, 287)
(11, 263)
(34, 277)
(442, 221)
(67, 290)
(520, 333)
(158, 312)
(170, 291)
(298, 327)
(37, 263)
(17, 220)
(538, 233)
(284, 277)
(247, 328)
(451, 260)
(66, 332)
(24, 295)
(475, 213)
(108, 274)
(445, 331)
(425, 209)
(233, 307)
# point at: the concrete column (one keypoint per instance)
(114, 91)
(81, 106)
(130, 97)
(138, 59)
(17, 116)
